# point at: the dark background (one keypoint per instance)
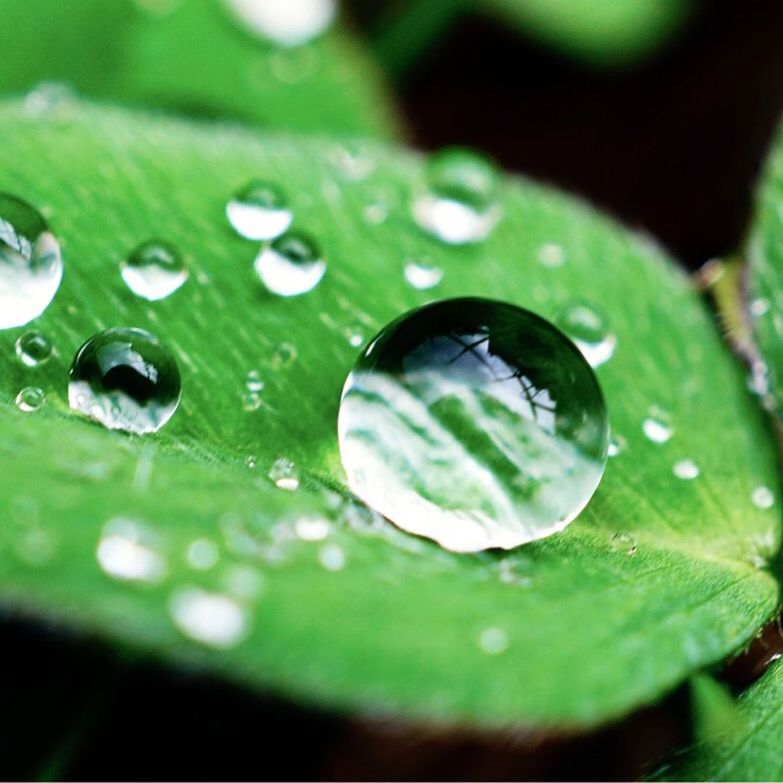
(672, 145)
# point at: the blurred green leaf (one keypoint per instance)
(657, 578)
(192, 56)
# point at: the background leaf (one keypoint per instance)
(152, 52)
(658, 577)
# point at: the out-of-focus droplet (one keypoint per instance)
(422, 276)
(284, 22)
(213, 619)
(127, 552)
(589, 330)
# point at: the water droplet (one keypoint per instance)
(588, 328)
(51, 100)
(762, 498)
(460, 205)
(251, 401)
(154, 270)
(311, 528)
(291, 265)
(475, 423)
(126, 551)
(33, 349)
(657, 426)
(30, 399)
(352, 160)
(31, 265)
(686, 469)
(288, 23)
(251, 462)
(284, 355)
(422, 275)
(617, 445)
(551, 255)
(202, 554)
(332, 557)
(759, 307)
(376, 213)
(259, 211)
(210, 618)
(125, 379)
(624, 542)
(253, 381)
(284, 475)
(493, 641)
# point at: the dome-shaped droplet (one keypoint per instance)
(34, 349)
(475, 423)
(31, 265)
(291, 265)
(589, 330)
(126, 379)
(154, 270)
(460, 204)
(30, 399)
(284, 22)
(422, 276)
(260, 211)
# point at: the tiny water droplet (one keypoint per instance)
(422, 276)
(588, 328)
(759, 307)
(351, 160)
(127, 551)
(474, 423)
(284, 22)
(284, 475)
(202, 554)
(213, 619)
(125, 379)
(493, 641)
(460, 205)
(376, 213)
(154, 270)
(31, 265)
(657, 426)
(332, 557)
(311, 528)
(686, 469)
(617, 445)
(253, 381)
(284, 355)
(291, 265)
(251, 462)
(30, 399)
(259, 211)
(762, 498)
(251, 401)
(33, 349)
(624, 542)
(551, 255)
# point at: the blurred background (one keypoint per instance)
(662, 117)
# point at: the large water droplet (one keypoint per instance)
(588, 328)
(154, 270)
(33, 349)
(126, 379)
(475, 423)
(127, 552)
(460, 205)
(31, 265)
(284, 22)
(259, 211)
(291, 265)
(30, 399)
(210, 618)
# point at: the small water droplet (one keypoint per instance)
(422, 276)
(284, 475)
(762, 498)
(493, 641)
(202, 554)
(332, 557)
(253, 381)
(210, 618)
(288, 23)
(284, 355)
(624, 542)
(551, 255)
(474, 423)
(125, 379)
(657, 427)
(154, 270)
(31, 265)
(259, 211)
(686, 469)
(251, 462)
(460, 205)
(311, 528)
(251, 401)
(759, 307)
(127, 552)
(588, 328)
(351, 160)
(291, 265)
(33, 349)
(30, 399)
(617, 445)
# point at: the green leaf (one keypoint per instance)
(192, 56)
(749, 750)
(603, 32)
(595, 624)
